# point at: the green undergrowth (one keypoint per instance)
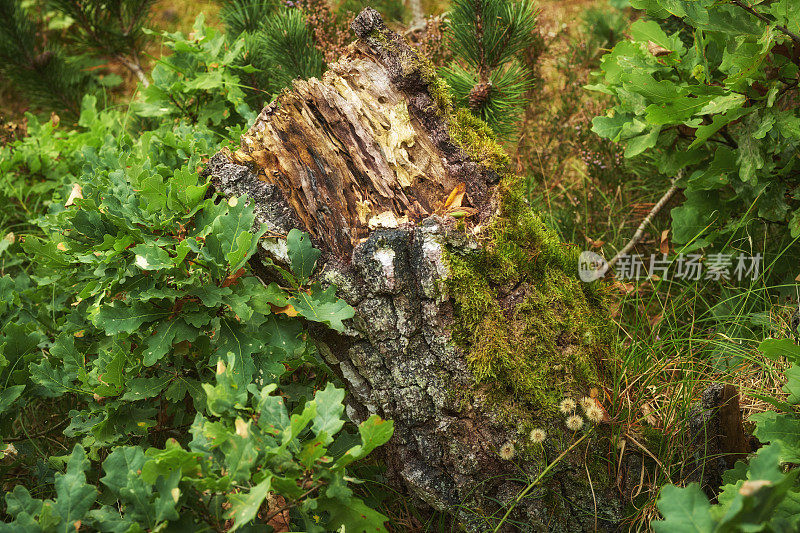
(531, 330)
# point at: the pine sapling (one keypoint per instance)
(487, 38)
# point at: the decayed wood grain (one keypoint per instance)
(347, 154)
(368, 145)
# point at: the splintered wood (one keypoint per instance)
(347, 154)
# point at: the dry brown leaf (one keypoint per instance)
(750, 487)
(622, 286)
(286, 310)
(242, 429)
(281, 521)
(657, 50)
(74, 194)
(594, 244)
(233, 278)
(456, 197)
(664, 245)
(647, 411)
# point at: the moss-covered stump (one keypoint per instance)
(469, 330)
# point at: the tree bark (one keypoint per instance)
(471, 325)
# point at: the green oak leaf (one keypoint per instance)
(324, 307)
(329, 412)
(777, 348)
(353, 516)
(74, 496)
(684, 509)
(9, 395)
(151, 257)
(121, 318)
(650, 30)
(302, 254)
(141, 388)
(374, 432)
(792, 387)
(781, 429)
(245, 506)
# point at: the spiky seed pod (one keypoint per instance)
(566, 406)
(587, 403)
(574, 422)
(594, 414)
(507, 451)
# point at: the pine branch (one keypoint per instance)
(287, 49)
(110, 29)
(486, 35)
(242, 16)
(44, 74)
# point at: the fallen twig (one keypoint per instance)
(640, 230)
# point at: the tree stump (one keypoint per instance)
(471, 325)
(718, 436)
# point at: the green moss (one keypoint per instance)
(413, 61)
(532, 331)
(438, 88)
(476, 138)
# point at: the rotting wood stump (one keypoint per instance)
(471, 325)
